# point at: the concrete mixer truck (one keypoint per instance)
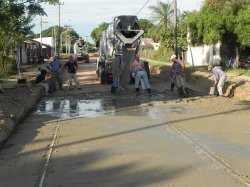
(81, 51)
(117, 48)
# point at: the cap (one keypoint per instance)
(173, 57)
(210, 67)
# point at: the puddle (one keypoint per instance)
(69, 107)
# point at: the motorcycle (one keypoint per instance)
(245, 63)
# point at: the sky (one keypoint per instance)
(85, 15)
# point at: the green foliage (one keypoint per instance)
(15, 25)
(162, 54)
(154, 33)
(146, 25)
(148, 47)
(209, 25)
(162, 13)
(243, 26)
(8, 66)
(163, 32)
(219, 19)
(166, 38)
(182, 33)
(244, 72)
(97, 32)
(195, 27)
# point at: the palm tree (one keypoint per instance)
(162, 13)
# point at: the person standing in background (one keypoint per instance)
(55, 67)
(71, 66)
(140, 73)
(177, 72)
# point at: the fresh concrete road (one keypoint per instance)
(90, 138)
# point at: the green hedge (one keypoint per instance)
(7, 66)
(161, 54)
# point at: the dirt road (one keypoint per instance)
(88, 137)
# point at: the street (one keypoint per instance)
(88, 137)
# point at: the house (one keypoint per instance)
(29, 52)
(150, 42)
(48, 46)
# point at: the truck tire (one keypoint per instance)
(87, 59)
(102, 75)
(100, 70)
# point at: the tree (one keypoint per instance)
(15, 24)
(243, 26)
(218, 19)
(162, 13)
(163, 32)
(97, 32)
(155, 32)
(146, 25)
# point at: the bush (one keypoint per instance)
(148, 47)
(162, 54)
(7, 66)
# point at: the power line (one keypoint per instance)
(142, 7)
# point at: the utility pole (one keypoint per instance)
(54, 41)
(66, 44)
(175, 29)
(87, 42)
(41, 38)
(66, 39)
(59, 31)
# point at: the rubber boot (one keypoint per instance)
(149, 91)
(137, 91)
(113, 90)
(172, 87)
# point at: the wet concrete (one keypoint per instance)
(98, 104)
(97, 139)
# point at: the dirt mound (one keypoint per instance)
(15, 104)
(238, 88)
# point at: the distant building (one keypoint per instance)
(48, 46)
(46, 40)
(150, 42)
(29, 52)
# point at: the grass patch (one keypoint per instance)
(238, 72)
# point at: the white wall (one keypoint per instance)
(46, 40)
(204, 55)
